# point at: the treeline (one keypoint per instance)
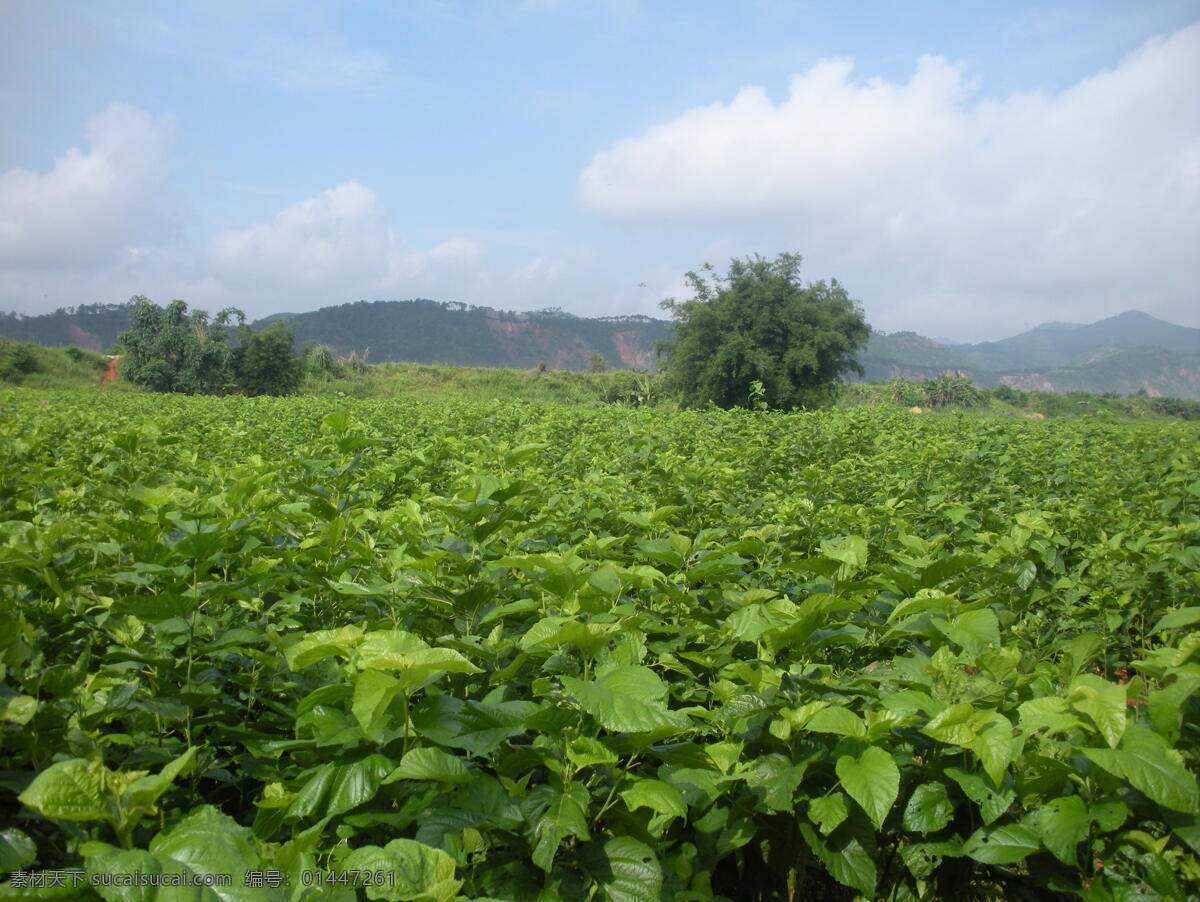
(171, 350)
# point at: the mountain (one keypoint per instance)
(424, 331)
(421, 331)
(1053, 345)
(1124, 354)
(91, 326)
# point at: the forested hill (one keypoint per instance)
(1125, 354)
(424, 331)
(419, 331)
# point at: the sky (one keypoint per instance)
(964, 170)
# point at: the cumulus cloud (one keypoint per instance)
(93, 203)
(340, 236)
(937, 203)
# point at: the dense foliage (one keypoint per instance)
(758, 323)
(171, 350)
(511, 651)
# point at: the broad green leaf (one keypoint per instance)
(373, 692)
(207, 841)
(1166, 705)
(145, 791)
(827, 812)
(774, 779)
(1063, 824)
(1048, 713)
(952, 725)
(1103, 702)
(929, 808)
(656, 795)
(102, 859)
(844, 855)
(431, 764)
(628, 700)
(749, 623)
(413, 669)
(1177, 618)
(975, 631)
(872, 780)
(337, 788)
(837, 720)
(415, 872)
(606, 580)
(322, 644)
(16, 850)
(1005, 844)
(71, 790)
(992, 801)
(1148, 763)
(553, 816)
(624, 869)
(584, 751)
(851, 551)
(18, 709)
(996, 746)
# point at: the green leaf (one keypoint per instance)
(373, 692)
(583, 751)
(827, 812)
(606, 580)
(625, 870)
(1103, 702)
(656, 795)
(554, 816)
(837, 720)
(16, 850)
(1147, 761)
(627, 699)
(1063, 824)
(845, 856)
(145, 791)
(953, 725)
(974, 631)
(18, 709)
(996, 746)
(102, 859)
(337, 788)
(873, 780)
(1177, 618)
(1048, 713)
(415, 872)
(431, 764)
(992, 801)
(71, 790)
(929, 808)
(1001, 845)
(322, 644)
(414, 668)
(206, 841)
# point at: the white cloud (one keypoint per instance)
(94, 202)
(935, 206)
(337, 238)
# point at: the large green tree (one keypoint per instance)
(168, 349)
(269, 364)
(758, 323)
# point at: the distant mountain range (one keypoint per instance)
(1124, 354)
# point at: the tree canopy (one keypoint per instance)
(171, 350)
(758, 323)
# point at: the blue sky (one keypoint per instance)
(965, 170)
